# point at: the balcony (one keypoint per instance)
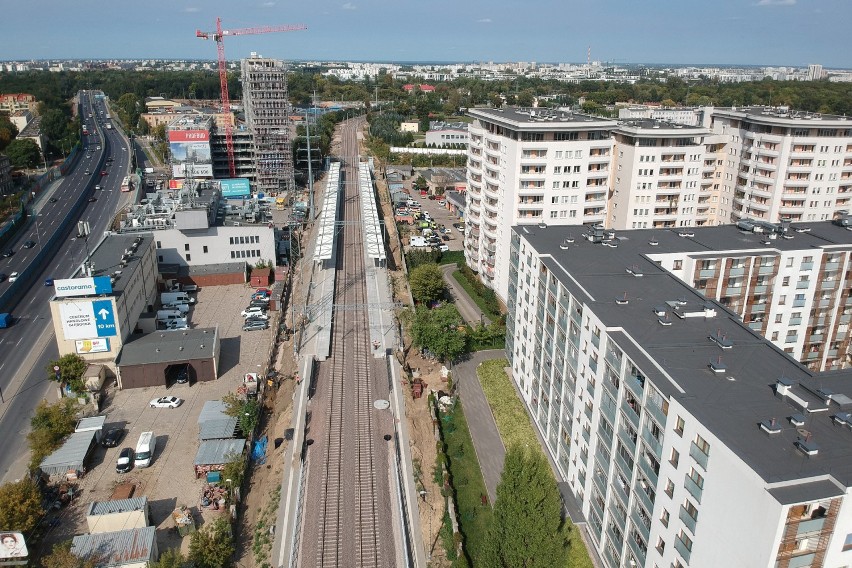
(648, 469)
(687, 519)
(644, 497)
(693, 488)
(653, 444)
(627, 439)
(682, 549)
(631, 413)
(699, 456)
(641, 521)
(638, 550)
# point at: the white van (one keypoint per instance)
(166, 315)
(145, 449)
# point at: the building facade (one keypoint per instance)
(267, 110)
(13, 102)
(687, 438)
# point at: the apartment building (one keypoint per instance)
(531, 166)
(783, 164)
(687, 438)
(662, 175)
(267, 110)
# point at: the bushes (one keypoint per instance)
(489, 298)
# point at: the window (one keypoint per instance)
(664, 518)
(186, 247)
(160, 258)
(690, 509)
(669, 488)
(678, 265)
(188, 257)
(696, 477)
(680, 426)
(702, 445)
(847, 545)
(661, 545)
(159, 244)
(674, 459)
(205, 248)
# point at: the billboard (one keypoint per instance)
(193, 170)
(191, 147)
(235, 188)
(12, 545)
(66, 288)
(86, 320)
(175, 184)
(85, 346)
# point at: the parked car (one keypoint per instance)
(265, 291)
(442, 248)
(182, 376)
(254, 311)
(166, 402)
(13, 277)
(29, 244)
(125, 461)
(445, 237)
(112, 437)
(253, 324)
(260, 304)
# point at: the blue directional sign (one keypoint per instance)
(104, 318)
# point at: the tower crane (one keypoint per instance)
(219, 36)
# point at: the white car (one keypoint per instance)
(166, 402)
(254, 312)
(13, 277)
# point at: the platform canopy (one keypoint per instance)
(328, 218)
(373, 242)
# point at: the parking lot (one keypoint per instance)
(170, 480)
(442, 217)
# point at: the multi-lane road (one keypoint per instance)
(29, 344)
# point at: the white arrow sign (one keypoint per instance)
(103, 313)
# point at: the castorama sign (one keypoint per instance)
(83, 286)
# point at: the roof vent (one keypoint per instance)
(770, 426)
(565, 244)
(653, 242)
(717, 366)
(158, 349)
(665, 321)
(806, 446)
(542, 225)
(659, 311)
(201, 346)
(180, 348)
(634, 270)
(843, 418)
(721, 339)
(686, 234)
(796, 420)
(622, 300)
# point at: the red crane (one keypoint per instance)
(219, 36)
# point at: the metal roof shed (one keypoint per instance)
(90, 424)
(71, 456)
(132, 547)
(213, 423)
(217, 452)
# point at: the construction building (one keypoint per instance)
(685, 436)
(267, 111)
(244, 163)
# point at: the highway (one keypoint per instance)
(29, 344)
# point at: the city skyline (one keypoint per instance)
(733, 32)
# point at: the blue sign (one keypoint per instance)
(104, 318)
(103, 284)
(235, 188)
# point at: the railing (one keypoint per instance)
(682, 549)
(699, 456)
(693, 488)
(687, 519)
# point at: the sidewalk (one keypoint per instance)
(468, 309)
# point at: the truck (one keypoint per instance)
(418, 242)
(109, 126)
(145, 449)
(5, 320)
(176, 298)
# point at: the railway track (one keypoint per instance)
(347, 507)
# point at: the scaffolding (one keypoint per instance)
(267, 109)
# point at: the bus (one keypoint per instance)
(125, 183)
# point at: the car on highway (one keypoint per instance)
(98, 186)
(253, 324)
(13, 277)
(103, 173)
(88, 172)
(254, 312)
(112, 437)
(8, 253)
(92, 199)
(125, 461)
(48, 281)
(166, 402)
(53, 200)
(29, 244)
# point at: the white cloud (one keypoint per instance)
(348, 6)
(484, 21)
(776, 2)
(190, 10)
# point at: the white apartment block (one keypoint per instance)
(531, 166)
(687, 439)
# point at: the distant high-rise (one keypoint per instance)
(267, 114)
(815, 72)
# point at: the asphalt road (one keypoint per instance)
(29, 344)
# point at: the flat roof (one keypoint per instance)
(544, 119)
(216, 452)
(785, 116)
(169, 346)
(677, 357)
(117, 506)
(70, 455)
(328, 217)
(107, 258)
(116, 548)
(650, 127)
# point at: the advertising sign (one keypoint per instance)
(197, 152)
(192, 170)
(189, 136)
(85, 320)
(92, 346)
(235, 187)
(69, 287)
(12, 545)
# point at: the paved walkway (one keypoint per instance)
(490, 450)
(465, 304)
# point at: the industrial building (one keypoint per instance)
(267, 110)
(688, 438)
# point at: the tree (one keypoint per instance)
(438, 331)
(213, 545)
(427, 283)
(71, 369)
(50, 423)
(23, 153)
(20, 505)
(61, 557)
(246, 411)
(527, 528)
(171, 558)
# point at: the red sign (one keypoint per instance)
(189, 136)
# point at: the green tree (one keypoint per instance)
(427, 283)
(54, 124)
(527, 530)
(50, 424)
(8, 131)
(20, 505)
(71, 369)
(171, 558)
(213, 545)
(246, 411)
(23, 153)
(438, 331)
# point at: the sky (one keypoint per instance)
(745, 32)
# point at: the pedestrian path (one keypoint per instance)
(468, 309)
